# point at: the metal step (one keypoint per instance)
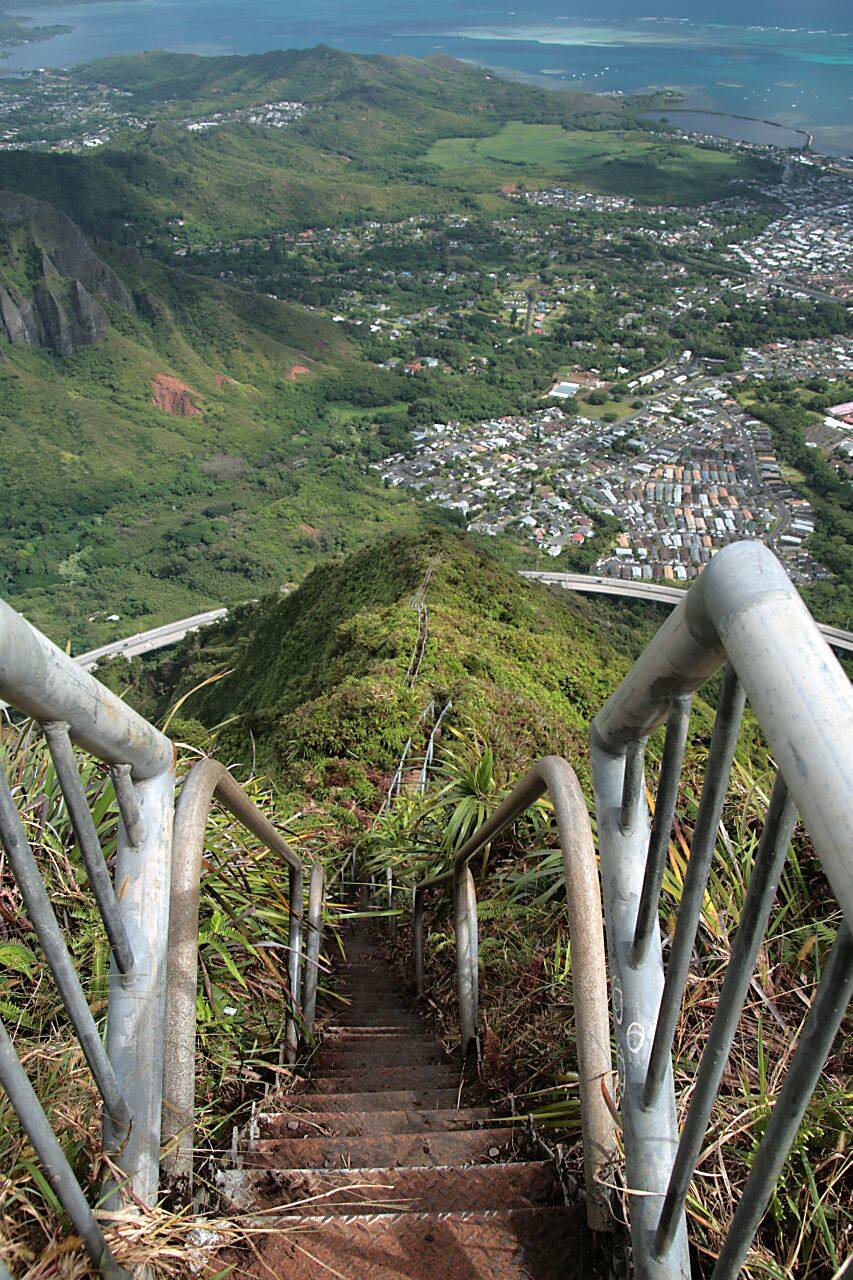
(467, 1145)
(357, 1124)
(416, 1189)
(348, 1031)
(386, 1078)
(361, 1057)
(545, 1243)
(380, 1100)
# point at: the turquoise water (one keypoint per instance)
(773, 60)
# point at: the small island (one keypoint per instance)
(14, 33)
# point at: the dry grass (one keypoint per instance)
(242, 1006)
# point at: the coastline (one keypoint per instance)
(544, 82)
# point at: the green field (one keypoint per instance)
(612, 162)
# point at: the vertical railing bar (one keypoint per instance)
(294, 964)
(465, 910)
(763, 883)
(474, 957)
(128, 805)
(819, 1031)
(720, 757)
(677, 724)
(418, 939)
(60, 1175)
(392, 919)
(632, 784)
(62, 754)
(312, 947)
(37, 902)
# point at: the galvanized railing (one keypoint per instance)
(208, 781)
(158, 850)
(37, 679)
(742, 612)
(592, 1031)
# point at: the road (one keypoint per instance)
(149, 641)
(653, 592)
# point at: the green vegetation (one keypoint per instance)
(357, 153)
(362, 150)
(321, 698)
(243, 1002)
(609, 161)
(319, 686)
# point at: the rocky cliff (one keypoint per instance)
(53, 285)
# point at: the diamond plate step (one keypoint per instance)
(372, 1000)
(374, 1152)
(548, 1244)
(376, 1030)
(361, 1057)
(415, 1189)
(338, 1081)
(356, 1124)
(382, 1100)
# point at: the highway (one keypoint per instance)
(149, 641)
(651, 592)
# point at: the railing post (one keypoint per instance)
(312, 948)
(294, 963)
(136, 1011)
(650, 1136)
(465, 907)
(418, 939)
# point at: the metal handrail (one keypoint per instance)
(138, 1069)
(744, 612)
(592, 1033)
(40, 681)
(208, 781)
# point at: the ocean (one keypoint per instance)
(787, 62)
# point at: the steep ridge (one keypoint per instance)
(52, 283)
(384, 1165)
(314, 685)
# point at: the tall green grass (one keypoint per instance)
(526, 993)
(243, 1000)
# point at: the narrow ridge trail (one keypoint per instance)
(385, 1167)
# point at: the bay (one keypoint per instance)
(769, 59)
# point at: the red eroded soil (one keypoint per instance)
(173, 396)
(296, 370)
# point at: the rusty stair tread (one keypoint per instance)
(377, 1031)
(305, 1124)
(415, 1189)
(360, 1058)
(454, 1147)
(545, 1243)
(383, 1169)
(340, 1080)
(380, 1100)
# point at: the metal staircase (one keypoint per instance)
(380, 1135)
(388, 1164)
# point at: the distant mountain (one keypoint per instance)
(359, 151)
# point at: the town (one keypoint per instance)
(54, 111)
(682, 477)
